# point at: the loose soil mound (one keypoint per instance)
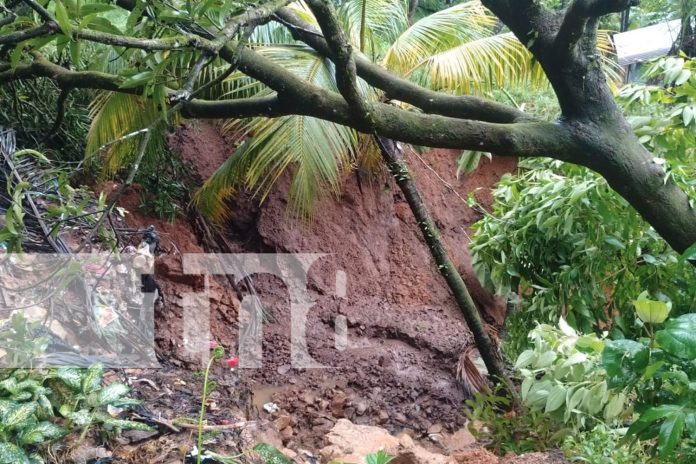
(405, 333)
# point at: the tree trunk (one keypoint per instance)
(398, 168)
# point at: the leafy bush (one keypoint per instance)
(649, 381)
(40, 406)
(601, 445)
(31, 109)
(664, 116)
(660, 372)
(561, 238)
(563, 376)
(512, 430)
(164, 180)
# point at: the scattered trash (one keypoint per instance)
(271, 408)
(113, 410)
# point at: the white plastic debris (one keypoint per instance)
(271, 408)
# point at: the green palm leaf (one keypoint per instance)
(316, 152)
(114, 116)
(438, 32)
(381, 21)
(478, 65)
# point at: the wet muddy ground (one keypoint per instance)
(395, 367)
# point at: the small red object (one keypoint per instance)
(232, 362)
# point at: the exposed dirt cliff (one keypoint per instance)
(404, 330)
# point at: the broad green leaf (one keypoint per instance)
(690, 422)
(624, 361)
(596, 398)
(652, 311)
(690, 253)
(18, 415)
(650, 416)
(137, 80)
(525, 358)
(652, 369)
(80, 418)
(577, 398)
(63, 19)
(121, 424)
(41, 432)
(556, 398)
(615, 242)
(545, 359)
(468, 162)
(678, 338)
(12, 454)
(526, 385)
(92, 378)
(92, 8)
(111, 393)
(614, 406)
(71, 377)
(670, 433)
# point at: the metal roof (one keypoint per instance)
(646, 43)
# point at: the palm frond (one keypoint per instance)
(383, 21)
(438, 32)
(613, 71)
(479, 65)
(115, 115)
(317, 152)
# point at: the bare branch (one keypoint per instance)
(60, 112)
(254, 16)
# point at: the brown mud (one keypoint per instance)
(405, 332)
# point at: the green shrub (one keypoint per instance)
(563, 377)
(561, 238)
(40, 406)
(503, 429)
(601, 445)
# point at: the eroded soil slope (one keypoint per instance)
(404, 331)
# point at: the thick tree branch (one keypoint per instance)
(64, 78)
(577, 15)
(26, 34)
(241, 108)
(532, 23)
(521, 139)
(403, 90)
(342, 54)
(6, 20)
(60, 112)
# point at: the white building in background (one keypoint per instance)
(640, 45)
